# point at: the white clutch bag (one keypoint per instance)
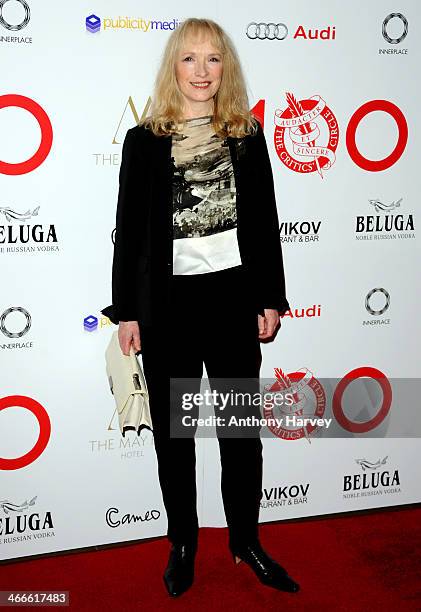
(128, 385)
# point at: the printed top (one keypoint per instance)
(204, 201)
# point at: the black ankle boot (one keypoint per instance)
(268, 571)
(179, 574)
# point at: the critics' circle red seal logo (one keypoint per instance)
(309, 401)
(306, 135)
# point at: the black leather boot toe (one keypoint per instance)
(179, 573)
(268, 571)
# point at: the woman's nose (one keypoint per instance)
(201, 68)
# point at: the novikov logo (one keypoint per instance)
(19, 523)
(375, 479)
(299, 231)
(287, 495)
(18, 236)
(386, 224)
(94, 24)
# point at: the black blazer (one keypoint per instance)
(143, 248)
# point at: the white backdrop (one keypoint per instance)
(82, 485)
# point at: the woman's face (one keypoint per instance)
(198, 71)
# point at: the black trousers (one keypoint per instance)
(208, 320)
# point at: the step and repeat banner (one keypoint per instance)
(335, 86)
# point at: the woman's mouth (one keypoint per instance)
(201, 85)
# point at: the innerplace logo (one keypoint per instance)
(14, 27)
(395, 40)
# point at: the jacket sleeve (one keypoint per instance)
(126, 247)
(272, 291)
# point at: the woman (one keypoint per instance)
(198, 276)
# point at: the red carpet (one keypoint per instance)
(358, 562)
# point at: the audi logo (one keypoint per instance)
(12, 26)
(386, 304)
(268, 31)
(395, 41)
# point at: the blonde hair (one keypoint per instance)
(231, 116)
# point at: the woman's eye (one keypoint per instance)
(215, 59)
(186, 59)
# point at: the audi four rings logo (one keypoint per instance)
(268, 31)
(15, 26)
(3, 317)
(386, 304)
(389, 39)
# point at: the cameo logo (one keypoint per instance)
(306, 135)
(374, 480)
(10, 23)
(93, 23)
(299, 231)
(22, 237)
(386, 225)
(300, 418)
(269, 31)
(46, 134)
(113, 519)
(19, 523)
(44, 424)
(289, 495)
(394, 31)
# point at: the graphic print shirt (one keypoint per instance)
(204, 201)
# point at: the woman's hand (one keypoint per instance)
(128, 333)
(268, 323)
